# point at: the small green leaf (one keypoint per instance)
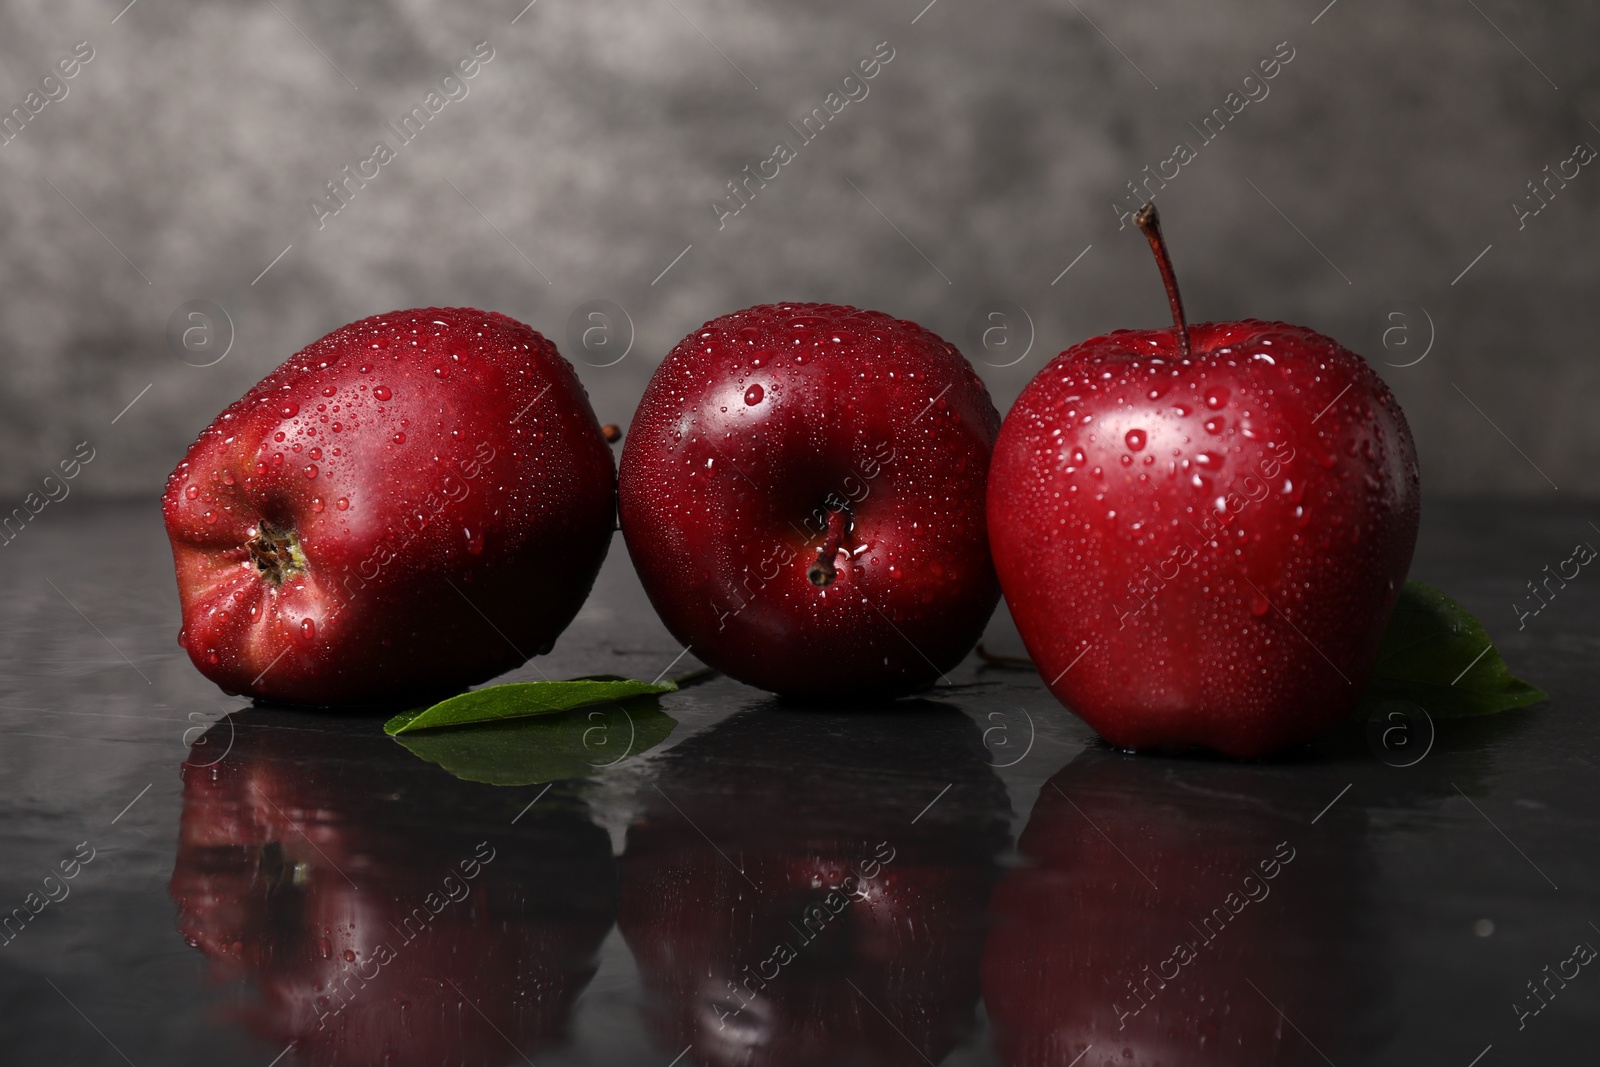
(516, 700)
(552, 747)
(1435, 654)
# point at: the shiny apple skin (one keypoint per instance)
(453, 498)
(747, 431)
(1259, 625)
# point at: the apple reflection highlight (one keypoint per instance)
(382, 911)
(1172, 912)
(787, 904)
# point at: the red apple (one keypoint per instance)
(1201, 531)
(383, 911)
(1147, 905)
(802, 494)
(787, 906)
(417, 502)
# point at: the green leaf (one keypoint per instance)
(552, 747)
(516, 700)
(1435, 654)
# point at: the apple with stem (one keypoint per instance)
(1201, 531)
(415, 503)
(802, 494)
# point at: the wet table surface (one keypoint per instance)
(964, 878)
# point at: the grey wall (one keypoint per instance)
(995, 140)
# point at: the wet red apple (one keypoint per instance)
(802, 494)
(415, 503)
(1201, 530)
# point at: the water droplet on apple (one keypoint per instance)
(753, 395)
(311, 470)
(1215, 424)
(289, 410)
(308, 629)
(316, 504)
(342, 503)
(1135, 440)
(381, 392)
(400, 437)
(192, 492)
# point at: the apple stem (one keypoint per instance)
(822, 572)
(1148, 219)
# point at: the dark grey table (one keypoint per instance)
(257, 886)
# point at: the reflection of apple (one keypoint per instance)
(386, 912)
(1256, 912)
(795, 829)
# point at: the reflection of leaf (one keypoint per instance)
(520, 699)
(551, 747)
(1430, 641)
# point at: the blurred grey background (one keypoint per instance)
(1367, 194)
